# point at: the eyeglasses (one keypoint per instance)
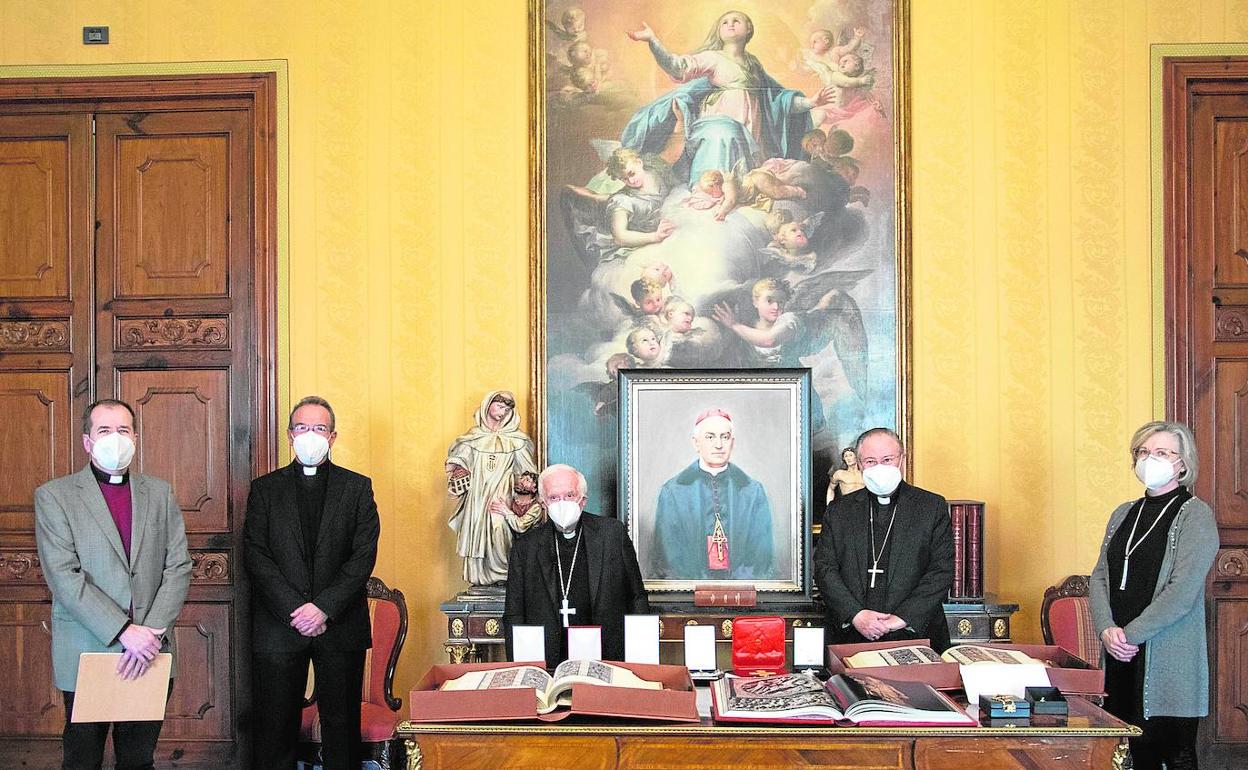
(869, 462)
(300, 427)
(1168, 455)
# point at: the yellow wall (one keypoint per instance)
(1032, 272)
(408, 213)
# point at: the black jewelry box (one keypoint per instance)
(1004, 707)
(1048, 701)
(990, 722)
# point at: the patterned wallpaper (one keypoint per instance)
(408, 264)
(1033, 323)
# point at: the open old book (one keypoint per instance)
(555, 691)
(861, 700)
(965, 654)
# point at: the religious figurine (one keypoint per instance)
(524, 502)
(847, 478)
(491, 469)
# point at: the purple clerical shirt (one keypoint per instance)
(117, 498)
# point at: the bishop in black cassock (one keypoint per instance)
(588, 560)
(887, 550)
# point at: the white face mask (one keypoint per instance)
(310, 448)
(1154, 472)
(564, 514)
(882, 479)
(113, 452)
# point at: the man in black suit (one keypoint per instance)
(572, 569)
(884, 561)
(310, 543)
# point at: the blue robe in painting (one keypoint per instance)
(717, 142)
(686, 516)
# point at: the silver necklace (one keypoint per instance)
(565, 611)
(1126, 560)
(875, 557)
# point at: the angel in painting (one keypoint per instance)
(790, 325)
(843, 69)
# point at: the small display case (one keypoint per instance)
(1004, 707)
(1047, 701)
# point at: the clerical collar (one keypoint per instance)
(566, 535)
(885, 500)
(110, 478)
(713, 471)
(309, 470)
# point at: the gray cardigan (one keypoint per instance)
(1176, 668)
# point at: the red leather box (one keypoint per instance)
(758, 646)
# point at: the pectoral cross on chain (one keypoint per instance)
(873, 572)
(565, 612)
(564, 588)
(719, 540)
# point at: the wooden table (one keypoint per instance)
(1089, 738)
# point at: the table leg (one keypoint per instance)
(415, 761)
(1120, 755)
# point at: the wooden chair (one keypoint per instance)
(387, 612)
(1066, 619)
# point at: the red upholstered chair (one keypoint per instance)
(1066, 619)
(379, 709)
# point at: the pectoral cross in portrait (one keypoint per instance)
(565, 612)
(719, 541)
(717, 547)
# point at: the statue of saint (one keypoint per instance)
(491, 469)
(847, 478)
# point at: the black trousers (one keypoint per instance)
(279, 680)
(1171, 740)
(1166, 739)
(134, 743)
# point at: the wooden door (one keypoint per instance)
(172, 304)
(45, 379)
(165, 299)
(1206, 162)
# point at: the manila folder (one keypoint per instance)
(103, 696)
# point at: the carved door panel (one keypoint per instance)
(31, 705)
(45, 373)
(174, 260)
(1206, 225)
(1232, 650)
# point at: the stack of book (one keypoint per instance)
(967, 519)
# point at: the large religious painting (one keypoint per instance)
(714, 468)
(717, 185)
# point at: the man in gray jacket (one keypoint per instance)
(113, 548)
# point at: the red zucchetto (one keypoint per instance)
(713, 412)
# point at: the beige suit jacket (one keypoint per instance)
(93, 584)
